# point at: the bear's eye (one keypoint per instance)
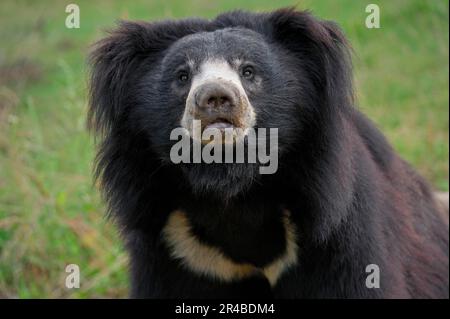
(247, 72)
(183, 76)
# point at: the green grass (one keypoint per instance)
(50, 212)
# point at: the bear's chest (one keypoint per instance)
(231, 248)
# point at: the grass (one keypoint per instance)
(50, 212)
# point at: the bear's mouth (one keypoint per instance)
(219, 124)
(221, 129)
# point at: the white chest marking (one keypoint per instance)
(210, 261)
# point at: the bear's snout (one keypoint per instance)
(218, 103)
(215, 96)
(217, 99)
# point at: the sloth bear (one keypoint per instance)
(340, 203)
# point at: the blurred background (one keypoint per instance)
(50, 211)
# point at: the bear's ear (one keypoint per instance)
(121, 58)
(322, 50)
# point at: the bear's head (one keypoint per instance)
(240, 71)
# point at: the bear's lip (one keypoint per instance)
(220, 124)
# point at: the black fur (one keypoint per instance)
(352, 199)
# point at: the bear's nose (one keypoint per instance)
(211, 96)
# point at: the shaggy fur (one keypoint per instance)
(352, 199)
